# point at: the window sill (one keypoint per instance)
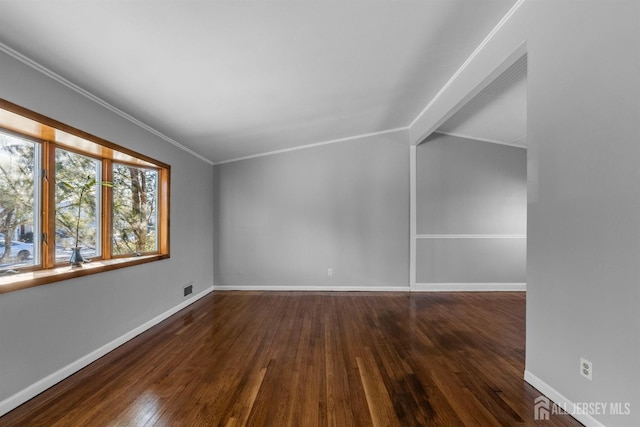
(19, 281)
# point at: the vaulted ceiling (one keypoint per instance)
(498, 113)
(229, 79)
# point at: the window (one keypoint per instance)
(61, 188)
(134, 210)
(75, 215)
(19, 196)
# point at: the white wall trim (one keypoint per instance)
(515, 141)
(492, 141)
(47, 72)
(471, 236)
(470, 287)
(38, 387)
(413, 215)
(466, 63)
(315, 144)
(420, 287)
(400, 288)
(557, 397)
(52, 75)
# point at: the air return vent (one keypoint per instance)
(188, 290)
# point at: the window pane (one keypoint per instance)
(135, 222)
(77, 205)
(19, 202)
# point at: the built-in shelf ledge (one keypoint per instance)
(14, 282)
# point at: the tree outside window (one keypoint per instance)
(135, 210)
(18, 202)
(62, 188)
(72, 171)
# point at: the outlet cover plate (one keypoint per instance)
(586, 369)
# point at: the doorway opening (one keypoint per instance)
(471, 192)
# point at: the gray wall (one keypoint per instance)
(283, 220)
(583, 191)
(467, 187)
(584, 204)
(584, 201)
(45, 328)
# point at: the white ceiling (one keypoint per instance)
(498, 113)
(229, 79)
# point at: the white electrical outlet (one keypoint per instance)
(586, 369)
(330, 272)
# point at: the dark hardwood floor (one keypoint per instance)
(307, 359)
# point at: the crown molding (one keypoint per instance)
(58, 78)
(492, 141)
(523, 137)
(51, 74)
(316, 144)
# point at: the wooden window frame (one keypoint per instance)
(51, 134)
(110, 201)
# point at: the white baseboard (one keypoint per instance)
(556, 397)
(470, 287)
(38, 387)
(312, 288)
(420, 287)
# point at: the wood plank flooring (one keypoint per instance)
(310, 359)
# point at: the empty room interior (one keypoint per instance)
(385, 213)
